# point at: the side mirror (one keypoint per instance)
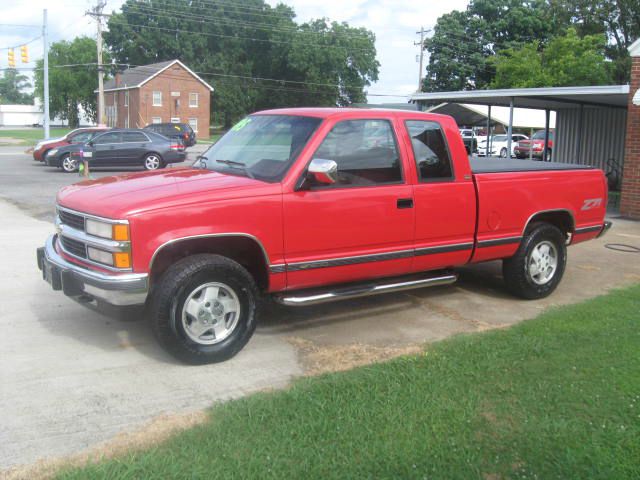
(323, 171)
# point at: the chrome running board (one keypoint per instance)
(333, 293)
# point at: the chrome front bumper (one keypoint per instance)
(120, 289)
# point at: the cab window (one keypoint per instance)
(430, 150)
(111, 137)
(365, 152)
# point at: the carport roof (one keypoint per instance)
(553, 98)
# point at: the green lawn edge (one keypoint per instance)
(557, 397)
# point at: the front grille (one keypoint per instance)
(71, 219)
(74, 247)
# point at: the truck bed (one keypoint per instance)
(503, 165)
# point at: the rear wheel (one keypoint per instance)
(153, 161)
(503, 152)
(538, 266)
(203, 309)
(68, 164)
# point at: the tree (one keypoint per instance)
(73, 78)
(463, 42)
(255, 56)
(566, 61)
(11, 86)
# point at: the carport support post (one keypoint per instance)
(547, 115)
(510, 129)
(488, 141)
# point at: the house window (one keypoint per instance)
(193, 100)
(157, 99)
(193, 123)
(156, 120)
(126, 99)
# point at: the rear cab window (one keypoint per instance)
(430, 151)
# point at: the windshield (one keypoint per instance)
(260, 146)
(539, 135)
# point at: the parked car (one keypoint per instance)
(302, 206)
(499, 145)
(126, 148)
(181, 131)
(79, 135)
(470, 140)
(534, 147)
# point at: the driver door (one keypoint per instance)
(362, 225)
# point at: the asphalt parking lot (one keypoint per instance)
(72, 378)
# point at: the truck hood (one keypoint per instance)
(122, 196)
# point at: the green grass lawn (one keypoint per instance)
(557, 397)
(31, 136)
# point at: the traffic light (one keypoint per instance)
(24, 53)
(12, 58)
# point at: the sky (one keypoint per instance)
(394, 22)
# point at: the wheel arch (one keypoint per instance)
(242, 248)
(562, 218)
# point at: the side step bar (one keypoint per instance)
(303, 298)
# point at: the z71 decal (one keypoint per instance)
(591, 203)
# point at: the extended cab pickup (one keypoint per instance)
(312, 205)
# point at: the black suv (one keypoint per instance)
(181, 131)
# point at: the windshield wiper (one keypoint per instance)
(235, 164)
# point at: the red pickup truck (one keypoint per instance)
(308, 206)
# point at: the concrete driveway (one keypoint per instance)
(72, 378)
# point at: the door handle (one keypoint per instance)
(405, 203)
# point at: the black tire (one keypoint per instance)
(549, 156)
(503, 153)
(67, 165)
(173, 290)
(153, 161)
(517, 274)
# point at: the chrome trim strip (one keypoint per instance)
(338, 262)
(280, 268)
(94, 217)
(498, 241)
(91, 240)
(605, 228)
(456, 247)
(210, 235)
(314, 297)
(594, 228)
(117, 289)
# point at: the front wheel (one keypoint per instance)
(204, 309)
(153, 161)
(69, 165)
(537, 267)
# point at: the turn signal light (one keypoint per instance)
(122, 260)
(120, 232)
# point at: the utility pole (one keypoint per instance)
(97, 14)
(421, 32)
(46, 74)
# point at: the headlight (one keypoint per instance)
(116, 231)
(53, 151)
(118, 259)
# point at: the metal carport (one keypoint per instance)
(590, 121)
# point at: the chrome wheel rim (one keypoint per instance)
(68, 164)
(543, 262)
(503, 153)
(210, 313)
(152, 162)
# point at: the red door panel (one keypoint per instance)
(325, 229)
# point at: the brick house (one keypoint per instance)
(158, 93)
(630, 199)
